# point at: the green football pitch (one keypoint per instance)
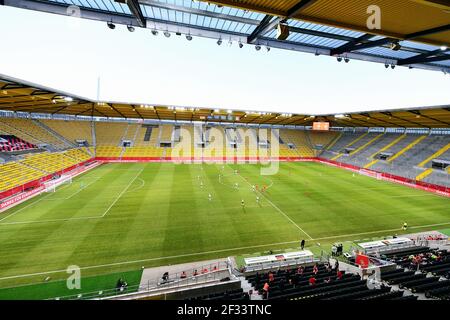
(120, 217)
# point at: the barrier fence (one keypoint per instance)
(204, 274)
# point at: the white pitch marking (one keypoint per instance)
(29, 205)
(67, 219)
(138, 188)
(49, 220)
(74, 194)
(279, 210)
(122, 193)
(382, 231)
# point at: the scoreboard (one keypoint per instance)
(322, 126)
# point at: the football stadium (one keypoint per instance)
(102, 199)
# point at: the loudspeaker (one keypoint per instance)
(282, 31)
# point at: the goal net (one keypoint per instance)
(370, 173)
(52, 185)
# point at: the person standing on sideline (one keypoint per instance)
(336, 265)
(302, 244)
(266, 290)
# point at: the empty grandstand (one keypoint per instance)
(42, 157)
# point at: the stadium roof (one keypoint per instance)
(322, 27)
(20, 96)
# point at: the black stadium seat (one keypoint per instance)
(414, 283)
(431, 286)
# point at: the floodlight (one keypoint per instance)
(111, 25)
(130, 28)
(395, 46)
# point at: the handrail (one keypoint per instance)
(174, 281)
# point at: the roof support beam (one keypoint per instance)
(428, 32)
(361, 43)
(433, 56)
(371, 124)
(200, 12)
(365, 45)
(267, 23)
(388, 113)
(346, 47)
(262, 28)
(117, 111)
(135, 8)
(136, 110)
(201, 31)
(391, 123)
(417, 112)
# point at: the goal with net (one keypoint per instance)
(52, 185)
(370, 173)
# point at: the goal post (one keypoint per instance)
(370, 173)
(52, 185)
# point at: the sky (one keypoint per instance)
(72, 54)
